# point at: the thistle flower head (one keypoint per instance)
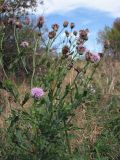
(67, 33)
(83, 34)
(75, 33)
(52, 34)
(55, 27)
(88, 55)
(40, 22)
(92, 57)
(106, 44)
(5, 7)
(95, 58)
(65, 50)
(79, 41)
(81, 49)
(37, 92)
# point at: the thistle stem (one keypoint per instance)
(67, 139)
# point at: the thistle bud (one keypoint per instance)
(80, 49)
(106, 44)
(67, 33)
(72, 25)
(55, 27)
(18, 24)
(40, 22)
(84, 34)
(65, 50)
(65, 24)
(88, 56)
(52, 34)
(10, 99)
(75, 33)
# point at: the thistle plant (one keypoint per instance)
(42, 131)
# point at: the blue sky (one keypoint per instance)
(91, 14)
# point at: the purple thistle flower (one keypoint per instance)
(37, 92)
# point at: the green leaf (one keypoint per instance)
(1, 85)
(26, 98)
(10, 87)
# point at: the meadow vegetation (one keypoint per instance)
(58, 100)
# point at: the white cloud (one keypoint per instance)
(62, 6)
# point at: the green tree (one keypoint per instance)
(111, 35)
